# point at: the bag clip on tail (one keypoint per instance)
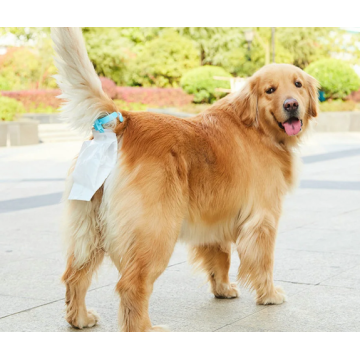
(96, 159)
(98, 124)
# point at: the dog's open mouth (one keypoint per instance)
(292, 126)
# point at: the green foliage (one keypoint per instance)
(337, 78)
(41, 109)
(25, 34)
(337, 105)
(227, 47)
(9, 108)
(47, 68)
(109, 52)
(131, 106)
(163, 60)
(213, 42)
(13, 73)
(305, 44)
(201, 83)
(25, 68)
(144, 56)
(193, 108)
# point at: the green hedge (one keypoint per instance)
(9, 108)
(201, 83)
(337, 78)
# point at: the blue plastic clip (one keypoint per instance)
(98, 124)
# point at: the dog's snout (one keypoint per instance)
(291, 105)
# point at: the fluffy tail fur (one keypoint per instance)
(85, 100)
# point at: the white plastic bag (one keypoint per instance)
(96, 159)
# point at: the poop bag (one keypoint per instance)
(96, 160)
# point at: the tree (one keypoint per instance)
(13, 74)
(26, 35)
(162, 61)
(227, 47)
(305, 44)
(109, 52)
(213, 42)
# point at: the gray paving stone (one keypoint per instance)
(334, 201)
(34, 278)
(310, 267)
(318, 308)
(293, 218)
(187, 307)
(347, 221)
(11, 305)
(348, 279)
(39, 277)
(321, 240)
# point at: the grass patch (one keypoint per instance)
(131, 106)
(194, 108)
(338, 105)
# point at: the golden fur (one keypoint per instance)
(213, 181)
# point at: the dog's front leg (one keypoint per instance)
(256, 247)
(214, 260)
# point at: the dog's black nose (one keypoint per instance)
(290, 105)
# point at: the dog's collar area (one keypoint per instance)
(98, 124)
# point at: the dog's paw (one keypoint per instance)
(159, 328)
(227, 291)
(277, 297)
(86, 319)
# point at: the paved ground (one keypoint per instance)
(317, 255)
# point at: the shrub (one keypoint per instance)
(337, 105)
(130, 106)
(130, 98)
(200, 82)
(9, 108)
(32, 99)
(109, 87)
(355, 96)
(169, 97)
(40, 109)
(337, 78)
(162, 61)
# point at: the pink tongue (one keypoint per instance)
(292, 127)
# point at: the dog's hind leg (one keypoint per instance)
(77, 281)
(143, 263)
(84, 256)
(215, 259)
(143, 208)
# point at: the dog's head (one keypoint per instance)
(281, 99)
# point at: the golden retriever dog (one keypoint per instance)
(214, 181)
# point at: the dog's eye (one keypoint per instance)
(270, 91)
(298, 84)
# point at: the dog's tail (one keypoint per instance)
(85, 100)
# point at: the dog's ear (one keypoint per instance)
(247, 103)
(313, 89)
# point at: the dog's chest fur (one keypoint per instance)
(245, 206)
